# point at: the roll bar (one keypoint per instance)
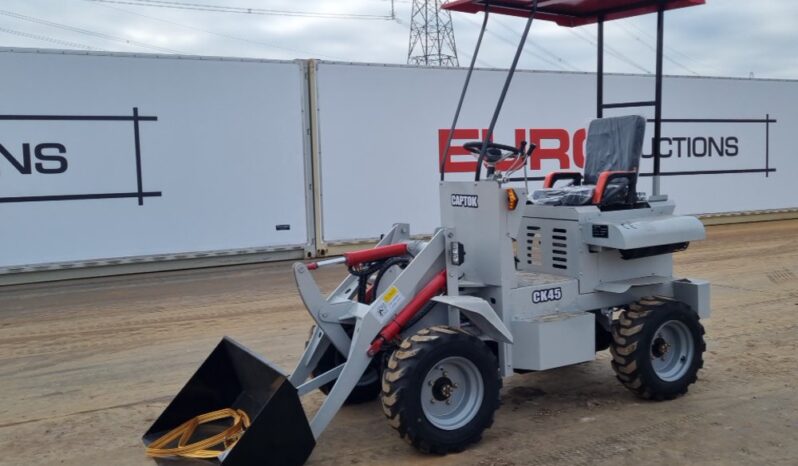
(571, 13)
(503, 95)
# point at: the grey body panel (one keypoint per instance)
(533, 280)
(643, 232)
(560, 273)
(554, 341)
(694, 293)
(475, 214)
(481, 314)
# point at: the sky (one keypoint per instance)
(739, 38)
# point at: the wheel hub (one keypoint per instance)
(660, 347)
(452, 393)
(442, 389)
(672, 350)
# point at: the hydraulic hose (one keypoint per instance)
(400, 261)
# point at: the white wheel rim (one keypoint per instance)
(672, 350)
(452, 393)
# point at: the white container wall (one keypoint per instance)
(214, 161)
(118, 156)
(383, 129)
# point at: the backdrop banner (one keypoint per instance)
(106, 156)
(383, 130)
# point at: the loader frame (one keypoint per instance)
(368, 320)
(533, 285)
(501, 290)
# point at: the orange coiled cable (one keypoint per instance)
(203, 448)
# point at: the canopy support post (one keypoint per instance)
(656, 149)
(506, 87)
(600, 70)
(465, 89)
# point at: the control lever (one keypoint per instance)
(532, 148)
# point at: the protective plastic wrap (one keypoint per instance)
(613, 144)
(614, 193)
(567, 195)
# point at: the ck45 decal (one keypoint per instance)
(549, 294)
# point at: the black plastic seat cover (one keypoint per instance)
(613, 144)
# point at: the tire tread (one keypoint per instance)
(627, 348)
(395, 381)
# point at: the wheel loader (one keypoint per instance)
(512, 281)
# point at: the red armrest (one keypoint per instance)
(605, 178)
(553, 177)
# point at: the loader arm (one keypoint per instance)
(369, 321)
(326, 316)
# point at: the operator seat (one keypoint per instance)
(612, 159)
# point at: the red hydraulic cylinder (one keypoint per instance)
(364, 255)
(375, 254)
(436, 286)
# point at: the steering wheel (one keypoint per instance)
(493, 152)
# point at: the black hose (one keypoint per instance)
(400, 261)
(420, 314)
(363, 274)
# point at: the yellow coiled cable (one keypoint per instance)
(202, 448)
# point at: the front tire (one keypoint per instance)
(441, 389)
(657, 349)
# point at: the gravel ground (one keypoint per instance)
(86, 366)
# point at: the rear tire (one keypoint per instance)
(440, 389)
(657, 349)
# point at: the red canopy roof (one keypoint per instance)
(571, 12)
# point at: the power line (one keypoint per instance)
(84, 31)
(652, 48)
(515, 44)
(668, 48)
(551, 54)
(44, 38)
(226, 36)
(527, 51)
(615, 52)
(242, 10)
(620, 56)
(480, 61)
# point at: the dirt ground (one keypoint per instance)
(86, 366)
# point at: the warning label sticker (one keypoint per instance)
(393, 299)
